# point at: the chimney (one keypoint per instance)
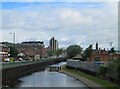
(104, 49)
(96, 45)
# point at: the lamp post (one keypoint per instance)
(34, 50)
(13, 37)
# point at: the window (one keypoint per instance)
(96, 58)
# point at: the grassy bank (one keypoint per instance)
(104, 83)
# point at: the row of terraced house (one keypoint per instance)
(31, 49)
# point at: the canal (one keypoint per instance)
(48, 78)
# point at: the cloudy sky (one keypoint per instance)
(81, 23)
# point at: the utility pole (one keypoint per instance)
(13, 38)
(34, 51)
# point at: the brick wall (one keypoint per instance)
(103, 56)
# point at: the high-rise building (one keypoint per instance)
(53, 44)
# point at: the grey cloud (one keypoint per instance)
(69, 26)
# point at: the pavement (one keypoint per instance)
(86, 81)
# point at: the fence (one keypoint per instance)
(91, 66)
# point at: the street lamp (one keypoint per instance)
(13, 37)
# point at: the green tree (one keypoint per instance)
(73, 50)
(103, 70)
(50, 53)
(112, 50)
(114, 69)
(88, 51)
(13, 51)
(58, 52)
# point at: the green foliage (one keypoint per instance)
(50, 53)
(112, 50)
(13, 51)
(55, 52)
(88, 51)
(103, 70)
(73, 50)
(11, 59)
(114, 68)
(58, 52)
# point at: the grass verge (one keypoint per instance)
(104, 83)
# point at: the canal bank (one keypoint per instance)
(50, 79)
(55, 78)
(16, 72)
(92, 81)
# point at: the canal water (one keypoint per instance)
(47, 78)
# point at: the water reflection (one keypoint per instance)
(49, 79)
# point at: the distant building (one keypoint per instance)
(78, 57)
(53, 44)
(101, 55)
(7, 43)
(4, 52)
(32, 49)
(33, 43)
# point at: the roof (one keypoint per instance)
(33, 42)
(77, 57)
(3, 52)
(2, 45)
(21, 54)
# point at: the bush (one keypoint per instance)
(103, 71)
(114, 69)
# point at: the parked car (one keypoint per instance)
(6, 60)
(20, 59)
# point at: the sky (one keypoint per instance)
(81, 23)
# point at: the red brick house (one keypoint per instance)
(32, 49)
(99, 55)
(114, 56)
(102, 55)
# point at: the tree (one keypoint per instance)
(58, 52)
(88, 51)
(103, 70)
(50, 53)
(112, 50)
(13, 51)
(114, 69)
(73, 50)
